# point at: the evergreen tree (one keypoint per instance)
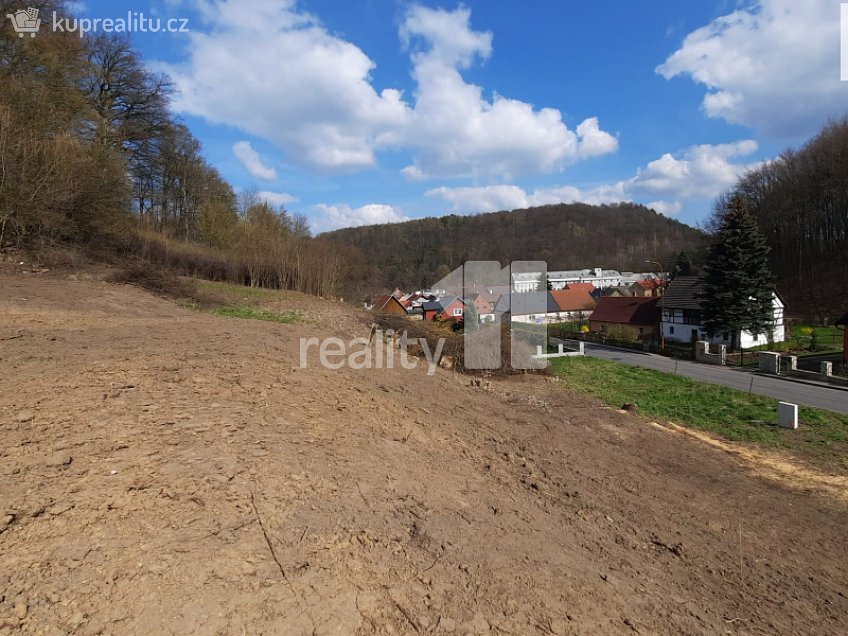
(738, 294)
(471, 318)
(683, 265)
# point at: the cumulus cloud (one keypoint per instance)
(277, 73)
(511, 197)
(251, 160)
(290, 81)
(456, 132)
(333, 217)
(701, 172)
(773, 66)
(668, 208)
(276, 199)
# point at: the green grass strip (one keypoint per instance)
(731, 414)
(251, 313)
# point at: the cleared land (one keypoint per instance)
(167, 470)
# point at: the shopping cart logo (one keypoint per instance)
(25, 21)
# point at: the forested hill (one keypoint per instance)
(800, 201)
(417, 253)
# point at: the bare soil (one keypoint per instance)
(164, 470)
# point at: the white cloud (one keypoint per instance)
(276, 199)
(333, 217)
(773, 66)
(668, 208)
(483, 198)
(275, 72)
(251, 160)
(456, 132)
(702, 172)
(511, 197)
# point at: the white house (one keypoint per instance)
(682, 319)
(530, 307)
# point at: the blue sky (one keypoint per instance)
(378, 110)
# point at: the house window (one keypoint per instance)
(457, 312)
(671, 330)
(603, 327)
(641, 330)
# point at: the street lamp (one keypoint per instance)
(662, 267)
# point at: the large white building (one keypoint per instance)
(600, 278)
(682, 317)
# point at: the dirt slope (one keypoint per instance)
(167, 471)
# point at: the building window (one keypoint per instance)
(641, 330)
(457, 312)
(603, 327)
(671, 330)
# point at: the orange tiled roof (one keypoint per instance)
(574, 299)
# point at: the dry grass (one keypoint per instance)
(155, 279)
(454, 346)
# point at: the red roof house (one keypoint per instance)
(627, 318)
(589, 287)
(386, 304)
(574, 302)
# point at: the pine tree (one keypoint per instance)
(471, 319)
(683, 265)
(738, 291)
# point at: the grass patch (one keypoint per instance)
(731, 414)
(825, 338)
(252, 313)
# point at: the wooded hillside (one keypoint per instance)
(800, 201)
(91, 156)
(417, 253)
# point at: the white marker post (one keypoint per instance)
(787, 415)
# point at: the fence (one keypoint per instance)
(564, 333)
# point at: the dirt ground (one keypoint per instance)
(164, 470)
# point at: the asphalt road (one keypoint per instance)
(825, 397)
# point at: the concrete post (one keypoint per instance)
(791, 364)
(787, 415)
(769, 362)
(827, 369)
